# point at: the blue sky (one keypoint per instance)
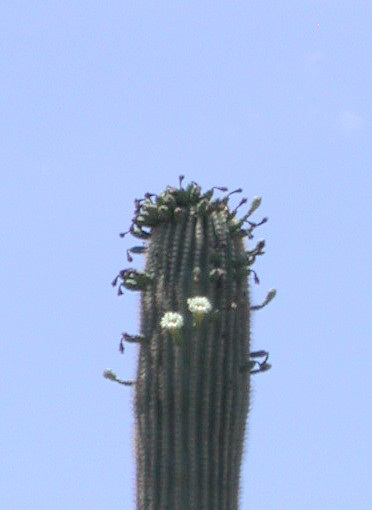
(103, 101)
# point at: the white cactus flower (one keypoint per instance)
(171, 321)
(199, 305)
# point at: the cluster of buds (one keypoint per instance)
(242, 265)
(235, 224)
(172, 202)
(132, 280)
(136, 231)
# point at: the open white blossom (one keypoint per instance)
(171, 321)
(199, 305)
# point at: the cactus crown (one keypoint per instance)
(193, 376)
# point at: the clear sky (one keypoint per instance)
(103, 101)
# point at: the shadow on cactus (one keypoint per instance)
(193, 378)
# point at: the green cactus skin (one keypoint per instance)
(191, 392)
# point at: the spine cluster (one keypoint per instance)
(193, 376)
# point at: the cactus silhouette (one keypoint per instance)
(193, 377)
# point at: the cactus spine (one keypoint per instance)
(193, 376)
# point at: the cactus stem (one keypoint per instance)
(192, 386)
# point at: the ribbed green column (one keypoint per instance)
(193, 377)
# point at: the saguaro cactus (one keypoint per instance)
(193, 378)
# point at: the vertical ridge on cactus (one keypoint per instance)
(194, 366)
